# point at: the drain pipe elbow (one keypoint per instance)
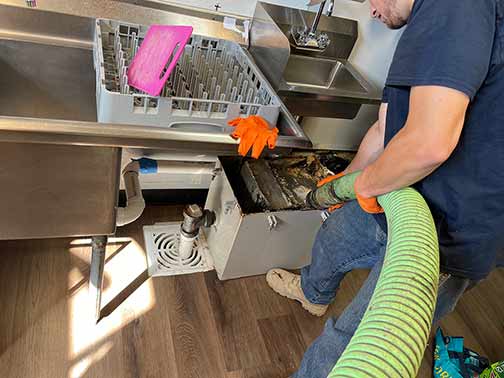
(135, 202)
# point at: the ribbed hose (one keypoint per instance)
(392, 336)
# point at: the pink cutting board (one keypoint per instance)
(146, 69)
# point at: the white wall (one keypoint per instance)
(239, 7)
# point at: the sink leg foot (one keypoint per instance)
(98, 246)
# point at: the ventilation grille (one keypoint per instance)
(162, 241)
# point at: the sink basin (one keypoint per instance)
(321, 73)
(322, 87)
(46, 81)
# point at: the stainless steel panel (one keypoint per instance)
(46, 81)
(268, 44)
(134, 11)
(34, 130)
(57, 191)
(250, 244)
(259, 247)
(316, 106)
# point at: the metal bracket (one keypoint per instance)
(272, 222)
(229, 206)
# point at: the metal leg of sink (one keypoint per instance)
(98, 244)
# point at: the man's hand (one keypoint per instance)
(431, 133)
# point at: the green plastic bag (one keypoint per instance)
(452, 360)
(494, 371)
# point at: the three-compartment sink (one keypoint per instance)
(62, 167)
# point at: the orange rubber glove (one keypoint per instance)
(265, 138)
(253, 132)
(369, 205)
(327, 180)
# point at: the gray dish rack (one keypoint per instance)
(214, 81)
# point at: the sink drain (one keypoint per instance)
(162, 241)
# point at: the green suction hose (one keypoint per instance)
(392, 336)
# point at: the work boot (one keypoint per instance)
(289, 285)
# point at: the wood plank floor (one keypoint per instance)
(192, 326)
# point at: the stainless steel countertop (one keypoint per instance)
(72, 27)
(15, 129)
(139, 12)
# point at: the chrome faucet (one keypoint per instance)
(320, 12)
(308, 37)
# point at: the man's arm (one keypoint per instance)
(372, 145)
(431, 133)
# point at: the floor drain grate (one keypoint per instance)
(161, 242)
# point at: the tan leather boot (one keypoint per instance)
(288, 285)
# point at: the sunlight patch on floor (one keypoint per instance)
(90, 342)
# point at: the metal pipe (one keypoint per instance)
(317, 17)
(194, 218)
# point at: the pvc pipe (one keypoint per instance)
(392, 336)
(186, 245)
(135, 202)
(185, 167)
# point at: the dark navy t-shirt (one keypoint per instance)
(459, 44)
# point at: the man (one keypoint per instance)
(441, 130)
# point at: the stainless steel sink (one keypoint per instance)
(316, 86)
(46, 81)
(316, 83)
(53, 190)
(320, 73)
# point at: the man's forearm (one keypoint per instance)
(370, 148)
(402, 164)
(431, 133)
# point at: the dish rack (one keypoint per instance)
(214, 81)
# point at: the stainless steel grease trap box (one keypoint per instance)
(251, 236)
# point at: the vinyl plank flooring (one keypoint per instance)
(239, 333)
(265, 302)
(31, 334)
(265, 371)
(284, 342)
(198, 352)
(485, 316)
(234, 374)
(178, 327)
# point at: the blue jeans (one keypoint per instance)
(351, 239)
